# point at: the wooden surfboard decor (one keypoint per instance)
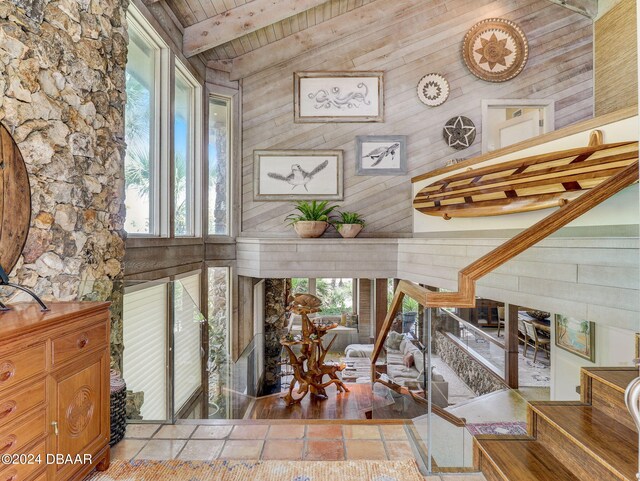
(15, 201)
(532, 183)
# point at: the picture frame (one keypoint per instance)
(381, 154)
(281, 175)
(340, 96)
(576, 336)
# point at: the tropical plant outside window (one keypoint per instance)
(336, 295)
(299, 285)
(140, 160)
(184, 159)
(219, 145)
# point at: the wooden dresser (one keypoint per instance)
(54, 391)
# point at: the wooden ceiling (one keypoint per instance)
(239, 35)
(222, 30)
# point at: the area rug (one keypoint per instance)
(144, 470)
(512, 428)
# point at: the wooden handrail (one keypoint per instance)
(467, 277)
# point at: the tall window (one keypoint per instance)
(219, 155)
(186, 152)
(149, 118)
(141, 161)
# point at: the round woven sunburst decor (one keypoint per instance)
(495, 50)
(433, 89)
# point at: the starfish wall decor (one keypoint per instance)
(459, 132)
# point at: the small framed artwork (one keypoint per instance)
(338, 97)
(381, 154)
(576, 336)
(297, 175)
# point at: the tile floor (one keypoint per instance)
(264, 441)
(312, 442)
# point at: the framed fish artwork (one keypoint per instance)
(283, 175)
(381, 154)
(338, 97)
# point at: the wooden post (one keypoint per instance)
(511, 345)
(381, 304)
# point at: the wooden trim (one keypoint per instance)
(590, 124)
(511, 352)
(380, 302)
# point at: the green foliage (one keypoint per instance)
(311, 211)
(336, 295)
(349, 218)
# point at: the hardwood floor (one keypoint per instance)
(351, 405)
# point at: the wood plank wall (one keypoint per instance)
(425, 38)
(616, 58)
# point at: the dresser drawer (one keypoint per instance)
(71, 345)
(18, 401)
(20, 365)
(28, 463)
(14, 438)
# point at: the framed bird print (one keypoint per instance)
(381, 154)
(297, 175)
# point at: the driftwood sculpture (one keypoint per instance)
(309, 368)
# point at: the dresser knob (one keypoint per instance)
(83, 340)
(9, 443)
(13, 476)
(7, 409)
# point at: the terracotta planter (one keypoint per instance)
(349, 231)
(310, 228)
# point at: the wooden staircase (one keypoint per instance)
(594, 439)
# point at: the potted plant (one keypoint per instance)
(312, 219)
(349, 224)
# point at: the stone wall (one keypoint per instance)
(62, 96)
(276, 292)
(468, 369)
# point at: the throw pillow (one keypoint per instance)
(408, 360)
(393, 341)
(403, 345)
(419, 361)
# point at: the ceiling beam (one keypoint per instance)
(588, 8)
(313, 37)
(240, 21)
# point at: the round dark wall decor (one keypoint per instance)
(433, 89)
(495, 50)
(15, 201)
(459, 132)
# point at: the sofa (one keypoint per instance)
(406, 365)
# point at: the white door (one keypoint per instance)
(516, 130)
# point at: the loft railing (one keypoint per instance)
(467, 277)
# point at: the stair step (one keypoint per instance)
(516, 459)
(604, 388)
(597, 443)
(618, 378)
